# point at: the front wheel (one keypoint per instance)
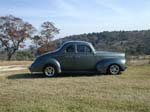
(114, 69)
(49, 71)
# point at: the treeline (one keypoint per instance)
(130, 42)
(20, 55)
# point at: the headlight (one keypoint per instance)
(123, 61)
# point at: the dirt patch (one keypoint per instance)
(8, 63)
(12, 68)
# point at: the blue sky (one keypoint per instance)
(82, 16)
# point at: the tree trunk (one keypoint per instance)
(9, 57)
(10, 54)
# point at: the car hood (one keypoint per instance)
(50, 53)
(110, 54)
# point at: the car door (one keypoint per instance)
(67, 58)
(84, 58)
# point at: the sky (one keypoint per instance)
(81, 16)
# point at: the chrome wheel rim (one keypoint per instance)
(49, 71)
(114, 69)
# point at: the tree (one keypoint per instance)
(36, 40)
(13, 32)
(47, 33)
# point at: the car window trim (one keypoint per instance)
(68, 46)
(84, 49)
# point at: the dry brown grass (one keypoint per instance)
(7, 63)
(129, 92)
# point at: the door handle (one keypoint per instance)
(77, 56)
(69, 56)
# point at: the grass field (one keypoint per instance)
(129, 92)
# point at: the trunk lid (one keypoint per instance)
(109, 54)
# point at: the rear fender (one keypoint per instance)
(103, 65)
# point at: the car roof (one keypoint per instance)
(78, 42)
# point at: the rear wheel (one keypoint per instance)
(114, 69)
(49, 71)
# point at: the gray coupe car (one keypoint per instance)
(78, 56)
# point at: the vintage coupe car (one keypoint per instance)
(78, 56)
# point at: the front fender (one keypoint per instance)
(40, 62)
(103, 65)
(54, 62)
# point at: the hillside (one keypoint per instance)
(131, 42)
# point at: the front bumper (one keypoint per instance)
(31, 69)
(34, 69)
(124, 68)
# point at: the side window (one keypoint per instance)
(80, 48)
(70, 48)
(87, 49)
(83, 49)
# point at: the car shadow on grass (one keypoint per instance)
(40, 75)
(25, 76)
